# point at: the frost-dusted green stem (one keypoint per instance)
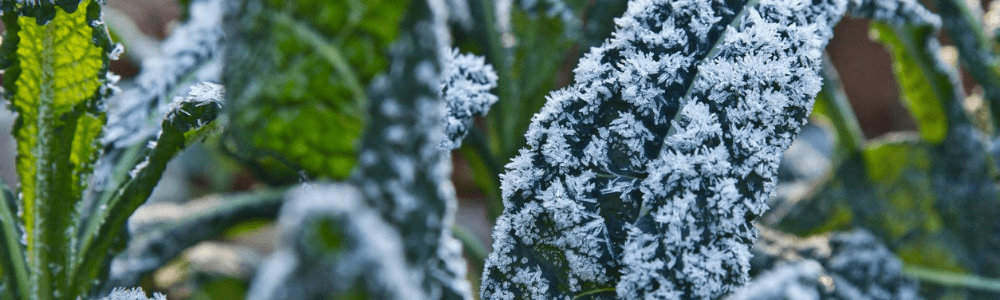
(849, 135)
(152, 249)
(99, 234)
(13, 252)
(975, 50)
(594, 292)
(333, 56)
(952, 279)
(140, 46)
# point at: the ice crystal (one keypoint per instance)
(465, 87)
(401, 170)
(848, 265)
(132, 294)
(671, 136)
(134, 114)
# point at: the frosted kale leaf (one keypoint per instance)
(333, 244)
(846, 265)
(132, 294)
(134, 114)
(401, 171)
(641, 180)
(465, 87)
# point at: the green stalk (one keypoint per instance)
(13, 251)
(837, 108)
(952, 279)
(975, 50)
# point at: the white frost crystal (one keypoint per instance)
(132, 294)
(333, 244)
(843, 265)
(465, 87)
(642, 179)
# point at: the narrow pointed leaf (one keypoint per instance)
(187, 116)
(14, 274)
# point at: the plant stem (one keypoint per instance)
(952, 279)
(849, 135)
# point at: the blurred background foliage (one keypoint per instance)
(902, 140)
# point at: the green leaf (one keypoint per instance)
(13, 272)
(55, 57)
(929, 89)
(180, 127)
(643, 178)
(301, 99)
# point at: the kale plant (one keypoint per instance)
(642, 178)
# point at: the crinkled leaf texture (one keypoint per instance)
(842, 265)
(641, 180)
(465, 87)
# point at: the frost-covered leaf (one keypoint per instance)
(843, 265)
(401, 171)
(301, 98)
(465, 87)
(135, 293)
(333, 244)
(187, 121)
(975, 48)
(642, 179)
(55, 57)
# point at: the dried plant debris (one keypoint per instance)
(642, 178)
(847, 265)
(465, 87)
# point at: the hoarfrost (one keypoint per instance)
(332, 243)
(846, 265)
(134, 113)
(678, 122)
(132, 294)
(465, 87)
(405, 176)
